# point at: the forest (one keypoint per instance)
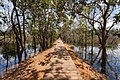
(36, 24)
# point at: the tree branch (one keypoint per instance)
(91, 19)
(110, 12)
(100, 8)
(97, 55)
(109, 29)
(95, 31)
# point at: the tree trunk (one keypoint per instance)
(34, 42)
(18, 51)
(51, 41)
(15, 60)
(104, 55)
(18, 32)
(104, 59)
(43, 41)
(92, 48)
(7, 62)
(24, 35)
(46, 41)
(6, 54)
(86, 43)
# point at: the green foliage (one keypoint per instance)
(109, 46)
(9, 50)
(33, 32)
(49, 19)
(117, 18)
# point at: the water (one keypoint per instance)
(12, 61)
(113, 64)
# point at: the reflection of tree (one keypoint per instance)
(8, 52)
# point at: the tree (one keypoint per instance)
(16, 26)
(102, 15)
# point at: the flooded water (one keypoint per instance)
(112, 65)
(12, 60)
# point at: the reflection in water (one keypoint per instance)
(8, 57)
(113, 64)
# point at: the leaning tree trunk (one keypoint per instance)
(18, 32)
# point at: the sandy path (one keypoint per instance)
(61, 66)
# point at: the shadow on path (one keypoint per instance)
(61, 66)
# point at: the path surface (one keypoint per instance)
(61, 66)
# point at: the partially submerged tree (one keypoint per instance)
(103, 13)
